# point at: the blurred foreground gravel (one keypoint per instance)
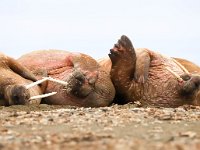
(120, 127)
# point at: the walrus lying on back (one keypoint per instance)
(13, 80)
(84, 83)
(149, 77)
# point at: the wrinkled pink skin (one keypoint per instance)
(13, 79)
(145, 78)
(89, 85)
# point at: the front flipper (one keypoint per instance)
(20, 69)
(142, 66)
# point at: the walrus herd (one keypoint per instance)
(127, 75)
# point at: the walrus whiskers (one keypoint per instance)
(175, 74)
(42, 96)
(181, 66)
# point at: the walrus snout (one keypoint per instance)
(81, 83)
(186, 77)
(191, 85)
(17, 95)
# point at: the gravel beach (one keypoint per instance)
(119, 127)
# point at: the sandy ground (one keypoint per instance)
(115, 127)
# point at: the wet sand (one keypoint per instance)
(119, 127)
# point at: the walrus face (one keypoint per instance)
(83, 88)
(190, 89)
(191, 85)
(16, 95)
(82, 83)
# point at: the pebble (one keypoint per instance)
(114, 127)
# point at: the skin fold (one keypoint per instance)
(142, 75)
(88, 84)
(13, 79)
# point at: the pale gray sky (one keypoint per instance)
(171, 27)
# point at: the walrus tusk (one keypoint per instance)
(36, 83)
(175, 74)
(181, 66)
(45, 79)
(57, 81)
(42, 96)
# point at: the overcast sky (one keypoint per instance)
(171, 27)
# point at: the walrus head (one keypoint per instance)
(16, 94)
(83, 88)
(191, 88)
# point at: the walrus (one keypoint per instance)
(154, 80)
(87, 85)
(14, 82)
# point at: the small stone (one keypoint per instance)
(165, 117)
(189, 134)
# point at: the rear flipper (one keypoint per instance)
(123, 59)
(142, 66)
(122, 51)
